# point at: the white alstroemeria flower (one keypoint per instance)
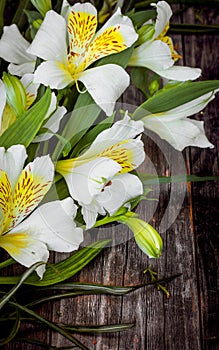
(29, 237)
(158, 53)
(13, 49)
(180, 131)
(66, 65)
(52, 117)
(98, 179)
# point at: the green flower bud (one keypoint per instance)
(16, 95)
(37, 23)
(153, 87)
(42, 6)
(145, 33)
(146, 237)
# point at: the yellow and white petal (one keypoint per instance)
(82, 24)
(105, 84)
(117, 143)
(5, 201)
(25, 249)
(116, 35)
(50, 40)
(30, 88)
(179, 73)
(2, 100)
(13, 46)
(53, 74)
(88, 179)
(12, 162)
(122, 189)
(164, 13)
(155, 55)
(32, 185)
(53, 224)
(125, 25)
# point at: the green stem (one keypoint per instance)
(6, 263)
(51, 325)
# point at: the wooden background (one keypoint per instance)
(189, 318)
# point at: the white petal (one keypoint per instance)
(50, 40)
(154, 55)
(179, 73)
(2, 100)
(180, 133)
(51, 74)
(21, 69)
(86, 7)
(53, 224)
(13, 46)
(124, 129)
(126, 27)
(30, 87)
(12, 162)
(164, 13)
(122, 189)
(25, 248)
(90, 213)
(52, 125)
(105, 84)
(87, 180)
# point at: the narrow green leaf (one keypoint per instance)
(23, 277)
(149, 179)
(82, 118)
(6, 263)
(177, 28)
(63, 270)
(90, 136)
(173, 96)
(111, 328)
(51, 325)
(140, 17)
(24, 129)
(42, 6)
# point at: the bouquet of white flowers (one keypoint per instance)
(70, 150)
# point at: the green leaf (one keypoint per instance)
(63, 270)
(90, 136)
(177, 28)
(149, 179)
(82, 118)
(139, 76)
(140, 17)
(49, 324)
(21, 280)
(6, 263)
(99, 329)
(23, 130)
(173, 96)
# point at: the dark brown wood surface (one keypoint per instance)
(189, 318)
